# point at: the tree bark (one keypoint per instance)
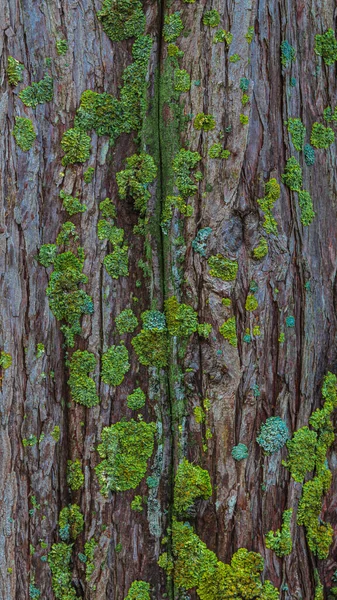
(245, 384)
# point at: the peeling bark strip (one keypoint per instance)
(168, 298)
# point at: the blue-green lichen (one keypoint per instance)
(200, 241)
(309, 155)
(287, 53)
(71, 523)
(240, 452)
(273, 435)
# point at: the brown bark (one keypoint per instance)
(288, 376)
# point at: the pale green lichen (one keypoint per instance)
(24, 133)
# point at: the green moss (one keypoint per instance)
(108, 208)
(56, 433)
(139, 590)
(67, 235)
(71, 523)
(75, 476)
(211, 18)
(182, 80)
(223, 36)
(319, 534)
(38, 93)
(173, 50)
(135, 179)
(301, 453)
(59, 560)
(204, 329)
(151, 348)
(240, 452)
(281, 338)
(244, 100)
(326, 46)
(76, 147)
(61, 47)
(287, 54)
(173, 27)
(194, 566)
(228, 331)
(204, 122)
(40, 350)
(181, 319)
(14, 71)
(222, 267)
(24, 133)
(89, 549)
(191, 483)
(72, 204)
(136, 400)
(234, 59)
(297, 132)
(88, 175)
(122, 19)
(30, 441)
(292, 176)
(67, 302)
(117, 262)
(306, 206)
(244, 120)
(115, 364)
(137, 504)
(5, 360)
(280, 541)
(83, 387)
(261, 250)
(217, 151)
(182, 165)
(321, 137)
(251, 303)
(249, 36)
(125, 449)
(126, 321)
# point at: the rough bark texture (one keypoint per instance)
(248, 496)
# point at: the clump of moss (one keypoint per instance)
(137, 504)
(47, 254)
(75, 476)
(126, 321)
(287, 53)
(182, 80)
(222, 267)
(280, 541)
(181, 319)
(249, 36)
(135, 180)
(211, 18)
(318, 533)
(125, 449)
(151, 348)
(108, 208)
(72, 204)
(321, 137)
(251, 303)
(297, 132)
(122, 19)
(244, 120)
(223, 36)
(228, 331)
(71, 523)
(217, 151)
(56, 433)
(5, 360)
(306, 206)
(38, 93)
(88, 175)
(136, 400)
(115, 364)
(173, 27)
(200, 240)
(273, 435)
(67, 302)
(301, 453)
(59, 559)
(261, 250)
(191, 482)
(192, 565)
(292, 176)
(204, 122)
(24, 133)
(139, 590)
(83, 387)
(234, 58)
(14, 71)
(61, 47)
(76, 146)
(240, 452)
(326, 46)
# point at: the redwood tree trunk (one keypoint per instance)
(246, 384)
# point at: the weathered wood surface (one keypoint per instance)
(288, 376)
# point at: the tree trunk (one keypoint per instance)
(263, 375)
